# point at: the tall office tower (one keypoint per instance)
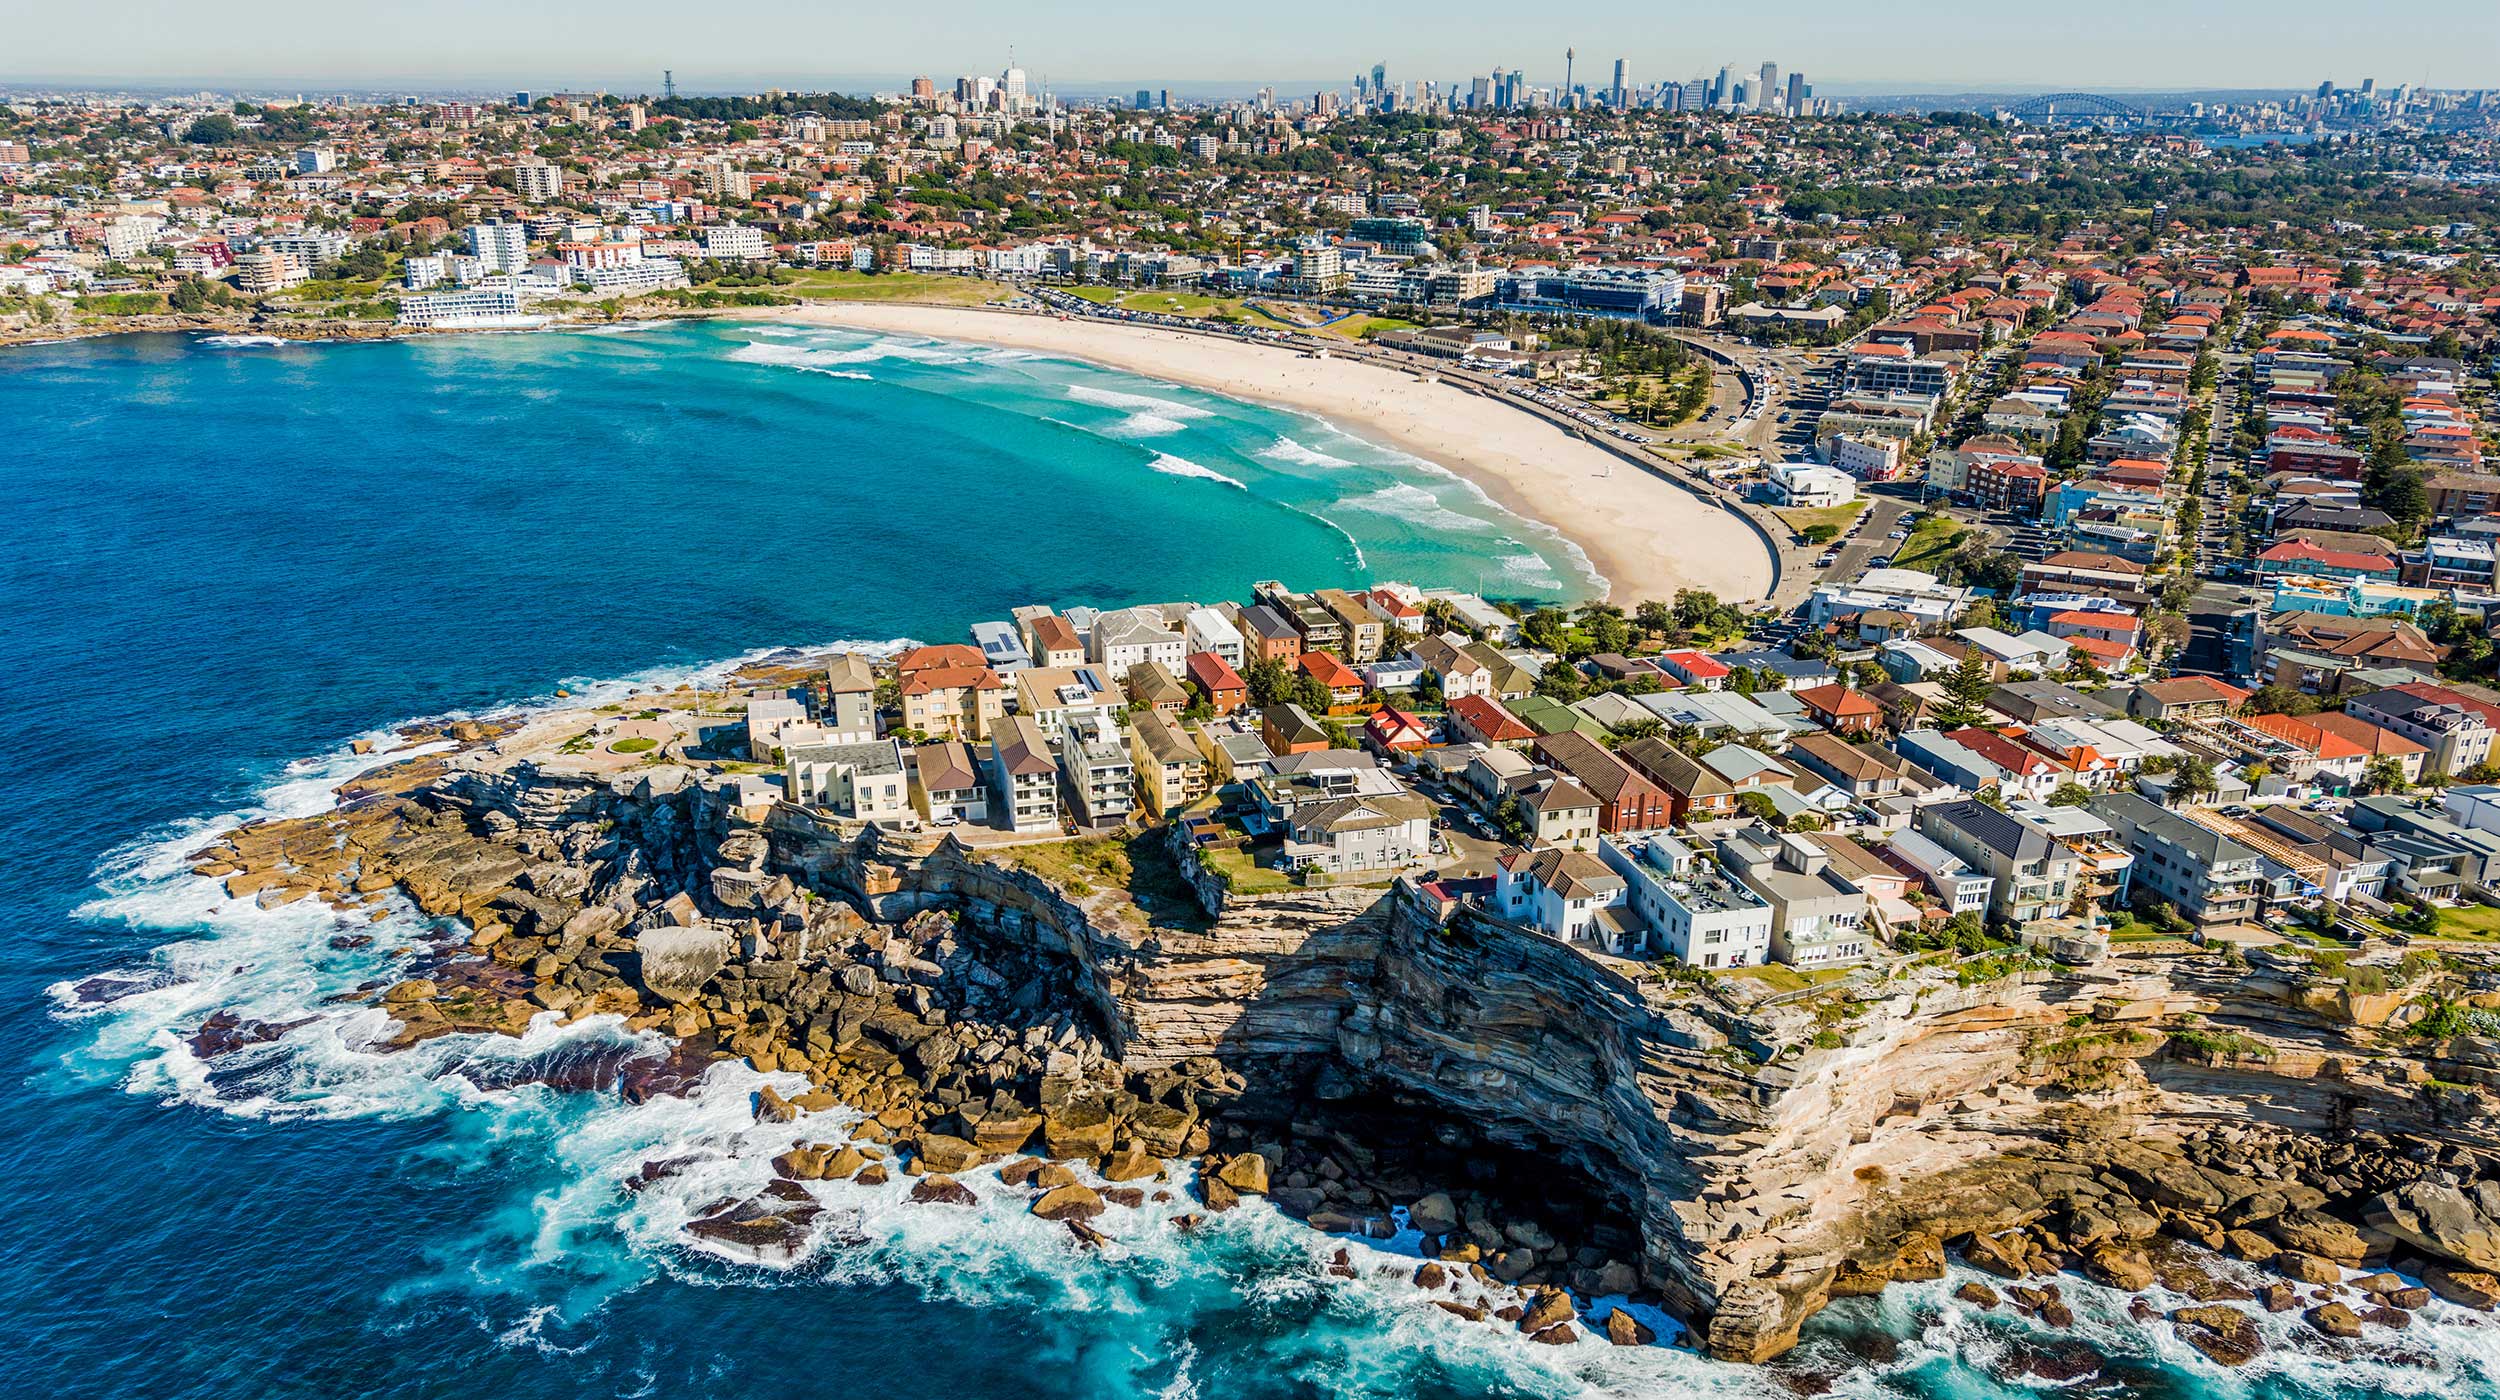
(1725, 89)
(1480, 93)
(1797, 91)
(1145, 99)
(1766, 92)
(1380, 78)
(1623, 94)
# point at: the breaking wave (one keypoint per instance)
(1170, 465)
(1285, 449)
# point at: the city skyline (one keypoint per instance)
(1939, 45)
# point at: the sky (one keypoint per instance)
(1841, 45)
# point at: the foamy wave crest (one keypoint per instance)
(1417, 506)
(826, 357)
(1285, 449)
(1170, 465)
(246, 342)
(1148, 416)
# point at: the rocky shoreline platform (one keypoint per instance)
(2221, 1136)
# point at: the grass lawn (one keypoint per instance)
(1838, 517)
(1780, 977)
(1929, 545)
(826, 284)
(1246, 877)
(2472, 921)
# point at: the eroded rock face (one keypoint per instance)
(1023, 1018)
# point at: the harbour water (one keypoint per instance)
(220, 565)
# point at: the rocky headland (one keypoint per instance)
(1097, 1025)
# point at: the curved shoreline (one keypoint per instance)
(1637, 529)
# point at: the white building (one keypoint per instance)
(1695, 913)
(501, 248)
(735, 242)
(538, 181)
(1132, 637)
(494, 304)
(1206, 629)
(862, 782)
(1569, 895)
(1807, 486)
(1929, 602)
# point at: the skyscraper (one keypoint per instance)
(1380, 79)
(1623, 93)
(1766, 92)
(1725, 89)
(1797, 91)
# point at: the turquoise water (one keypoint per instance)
(219, 565)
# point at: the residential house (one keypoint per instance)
(2454, 729)
(1864, 771)
(1478, 719)
(1289, 729)
(1217, 682)
(1692, 910)
(1096, 773)
(1345, 686)
(1171, 771)
(952, 701)
(1841, 709)
(1560, 812)
(2031, 876)
(2185, 698)
(1023, 777)
(2208, 877)
(946, 785)
(1341, 835)
(1392, 730)
(1570, 895)
(850, 711)
(1058, 697)
(858, 782)
(1961, 888)
(1817, 918)
(1630, 802)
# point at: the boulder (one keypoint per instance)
(1625, 1330)
(677, 962)
(2119, 1267)
(1246, 1174)
(2442, 1221)
(2322, 1235)
(2306, 1268)
(844, 1162)
(1920, 1259)
(2334, 1319)
(414, 989)
(1551, 1306)
(1560, 1334)
(942, 1190)
(940, 1152)
(1215, 1193)
(1129, 1165)
(1074, 1201)
(2225, 1334)
(1434, 1215)
(1002, 1133)
(1976, 1294)
(1077, 1130)
(2251, 1246)
(1431, 1275)
(2279, 1297)
(2001, 1255)
(2463, 1287)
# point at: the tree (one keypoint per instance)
(2193, 779)
(1563, 683)
(1759, 806)
(1267, 682)
(1969, 686)
(1544, 628)
(1654, 616)
(2070, 795)
(1511, 819)
(1694, 607)
(2384, 775)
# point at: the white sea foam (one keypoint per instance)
(1411, 503)
(826, 356)
(1148, 417)
(1170, 465)
(246, 342)
(1285, 449)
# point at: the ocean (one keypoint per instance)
(223, 563)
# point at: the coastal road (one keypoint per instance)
(1871, 541)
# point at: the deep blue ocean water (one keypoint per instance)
(220, 564)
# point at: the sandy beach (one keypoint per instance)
(1647, 536)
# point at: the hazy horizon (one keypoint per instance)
(1939, 46)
